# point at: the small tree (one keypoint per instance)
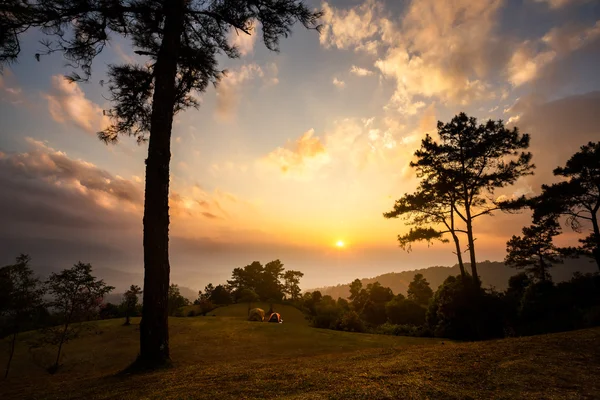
(291, 286)
(419, 290)
(534, 250)
(464, 169)
(577, 197)
(130, 301)
(175, 299)
(20, 297)
(76, 295)
(247, 296)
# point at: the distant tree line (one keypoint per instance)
(254, 282)
(459, 175)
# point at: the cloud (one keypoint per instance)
(437, 49)
(556, 4)
(350, 28)
(299, 158)
(243, 42)
(531, 56)
(229, 91)
(338, 83)
(67, 104)
(360, 71)
(9, 90)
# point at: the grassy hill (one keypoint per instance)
(492, 273)
(226, 357)
(289, 314)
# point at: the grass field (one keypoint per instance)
(289, 314)
(226, 357)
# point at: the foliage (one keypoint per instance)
(220, 295)
(349, 321)
(175, 299)
(291, 286)
(576, 196)
(535, 251)
(402, 311)
(20, 298)
(419, 290)
(458, 174)
(130, 301)
(460, 309)
(76, 296)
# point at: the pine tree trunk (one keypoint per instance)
(461, 265)
(154, 331)
(596, 250)
(472, 247)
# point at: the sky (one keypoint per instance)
(297, 150)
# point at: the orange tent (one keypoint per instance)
(275, 317)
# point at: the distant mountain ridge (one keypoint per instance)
(492, 273)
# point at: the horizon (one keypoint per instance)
(297, 151)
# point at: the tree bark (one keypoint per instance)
(154, 331)
(596, 251)
(12, 352)
(471, 246)
(461, 265)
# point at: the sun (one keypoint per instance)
(340, 243)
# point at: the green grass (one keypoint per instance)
(289, 314)
(227, 357)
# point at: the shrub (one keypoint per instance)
(462, 310)
(191, 313)
(349, 321)
(326, 316)
(402, 311)
(402, 330)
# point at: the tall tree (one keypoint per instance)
(270, 288)
(419, 290)
(76, 294)
(577, 197)
(534, 250)
(20, 296)
(130, 301)
(473, 160)
(429, 208)
(291, 284)
(181, 39)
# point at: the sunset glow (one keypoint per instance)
(293, 150)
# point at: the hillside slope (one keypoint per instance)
(492, 273)
(226, 358)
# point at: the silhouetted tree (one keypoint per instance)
(534, 250)
(432, 205)
(220, 295)
(20, 296)
(577, 197)
(270, 289)
(472, 160)
(181, 38)
(130, 301)
(355, 288)
(419, 290)
(175, 299)
(402, 311)
(76, 295)
(291, 286)
(248, 277)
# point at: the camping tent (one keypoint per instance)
(256, 314)
(275, 317)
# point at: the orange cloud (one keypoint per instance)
(67, 103)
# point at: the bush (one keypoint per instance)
(401, 311)
(402, 330)
(349, 321)
(462, 310)
(191, 313)
(326, 316)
